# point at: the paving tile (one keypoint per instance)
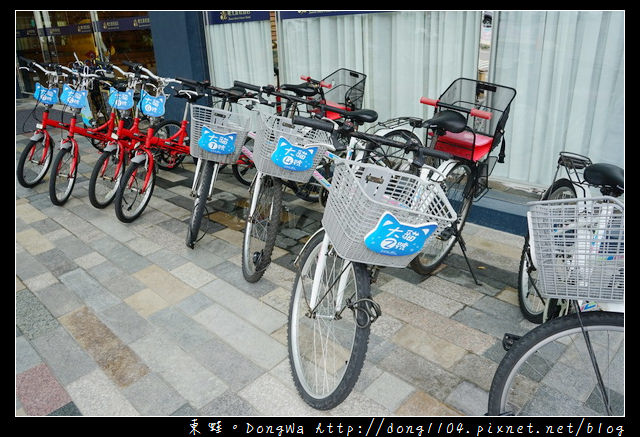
(230, 273)
(228, 404)
(242, 336)
(41, 281)
(421, 404)
(269, 397)
(184, 373)
(468, 399)
(249, 308)
(423, 297)
(56, 261)
(389, 390)
(28, 213)
(33, 241)
(96, 395)
(58, 299)
(115, 358)
(58, 349)
(451, 330)
(69, 409)
(39, 391)
(146, 302)
(152, 396)
(26, 356)
(87, 288)
(429, 346)
(192, 275)
(125, 322)
(164, 284)
(32, 317)
(182, 329)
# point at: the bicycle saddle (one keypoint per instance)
(363, 116)
(450, 121)
(604, 175)
(302, 90)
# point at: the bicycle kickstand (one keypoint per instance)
(463, 247)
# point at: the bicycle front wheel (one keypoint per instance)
(328, 343)
(458, 190)
(34, 163)
(63, 176)
(550, 371)
(261, 227)
(199, 204)
(105, 179)
(134, 192)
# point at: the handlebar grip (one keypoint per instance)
(427, 101)
(247, 86)
(313, 123)
(481, 114)
(437, 153)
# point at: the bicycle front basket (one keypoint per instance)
(217, 135)
(379, 216)
(288, 151)
(578, 248)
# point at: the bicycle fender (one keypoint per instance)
(295, 261)
(37, 136)
(110, 148)
(139, 159)
(65, 145)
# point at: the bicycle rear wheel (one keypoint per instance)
(549, 372)
(532, 305)
(328, 343)
(63, 176)
(458, 190)
(34, 163)
(134, 192)
(244, 169)
(200, 202)
(261, 228)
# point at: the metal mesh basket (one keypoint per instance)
(347, 88)
(279, 134)
(224, 125)
(362, 195)
(578, 248)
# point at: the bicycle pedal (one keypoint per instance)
(508, 340)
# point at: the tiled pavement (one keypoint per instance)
(123, 319)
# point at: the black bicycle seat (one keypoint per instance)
(450, 121)
(363, 116)
(302, 90)
(604, 175)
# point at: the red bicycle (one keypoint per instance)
(166, 142)
(36, 157)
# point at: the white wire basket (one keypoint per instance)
(577, 247)
(378, 216)
(288, 151)
(217, 135)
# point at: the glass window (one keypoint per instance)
(126, 36)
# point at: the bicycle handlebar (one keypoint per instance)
(316, 82)
(473, 112)
(326, 126)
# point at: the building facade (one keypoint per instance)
(567, 66)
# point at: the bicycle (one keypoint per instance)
(581, 175)
(374, 217)
(572, 364)
(285, 155)
(159, 144)
(36, 157)
(123, 99)
(468, 123)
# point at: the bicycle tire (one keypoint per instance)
(130, 203)
(200, 202)
(165, 160)
(63, 178)
(245, 172)
(305, 329)
(546, 362)
(531, 305)
(27, 178)
(105, 173)
(261, 229)
(459, 182)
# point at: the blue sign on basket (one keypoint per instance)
(120, 99)
(73, 98)
(214, 142)
(48, 96)
(291, 157)
(394, 238)
(153, 106)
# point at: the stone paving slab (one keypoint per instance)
(123, 320)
